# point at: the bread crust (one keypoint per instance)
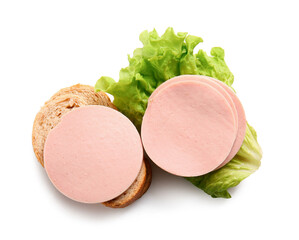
(87, 93)
(148, 180)
(136, 190)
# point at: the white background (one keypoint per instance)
(48, 45)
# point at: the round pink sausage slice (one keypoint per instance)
(93, 155)
(241, 122)
(233, 100)
(188, 129)
(203, 79)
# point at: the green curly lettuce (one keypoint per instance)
(165, 57)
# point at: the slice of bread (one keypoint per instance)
(87, 93)
(136, 190)
(63, 102)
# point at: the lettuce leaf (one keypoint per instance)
(160, 59)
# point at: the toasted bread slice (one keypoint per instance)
(136, 190)
(87, 93)
(63, 102)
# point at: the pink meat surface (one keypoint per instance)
(93, 155)
(203, 79)
(229, 95)
(188, 128)
(241, 122)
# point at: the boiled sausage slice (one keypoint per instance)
(229, 95)
(93, 155)
(204, 79)
(241, 122)
(188, 128)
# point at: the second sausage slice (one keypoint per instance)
(188, 128)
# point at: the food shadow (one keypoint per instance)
(168, 190)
